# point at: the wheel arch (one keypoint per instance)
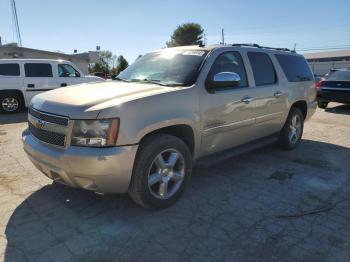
(183, 131)
(302, 105)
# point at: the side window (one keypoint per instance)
(38, 70)
(263, 70)
(9, 70)
(65, 70)
(295, 68)
(229, 62)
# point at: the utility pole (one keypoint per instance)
(15, 22)
(222, 37)
(295, 47)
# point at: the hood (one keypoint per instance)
(85, 101)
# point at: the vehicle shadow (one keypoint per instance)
(13, 118)
(339, 109)
(222, 209)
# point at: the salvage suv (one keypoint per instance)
(142, 132)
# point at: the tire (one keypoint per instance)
(292, 131)
(149, 180)
(322, 105)
(10, 102)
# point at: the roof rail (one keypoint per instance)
(265, 47)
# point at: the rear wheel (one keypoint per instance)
(322, 105)
(292, 131)
(10, 103)
(161, 171)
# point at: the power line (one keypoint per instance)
(324, 49)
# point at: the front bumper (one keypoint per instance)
(104, 170)
(333, 96)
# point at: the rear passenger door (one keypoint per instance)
(269, 97)
(38, 78)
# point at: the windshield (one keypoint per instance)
(168, 67)
(340, 76)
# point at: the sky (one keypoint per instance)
(130, 28)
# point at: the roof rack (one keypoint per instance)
(265, 47)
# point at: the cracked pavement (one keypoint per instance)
(267, 205)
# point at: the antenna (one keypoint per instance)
(222, 37)
(15, 21)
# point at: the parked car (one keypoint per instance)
(21, 79)
(335, 88)
(142, 133)
(101, 74)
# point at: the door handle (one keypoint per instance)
(63, 84)
(30, 85)
(277, 94)
(247, 99)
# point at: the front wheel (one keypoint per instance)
(292, 131)
(10, 103)
(161, 171)
(322, 105)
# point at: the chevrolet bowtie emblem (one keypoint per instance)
(39, 124)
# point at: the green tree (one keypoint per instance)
(122, 64)
(186, 34)
(106, 63)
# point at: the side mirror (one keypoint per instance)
(223, 80)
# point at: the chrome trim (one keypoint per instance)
(238, 123)
(335, 88)
(47, 126)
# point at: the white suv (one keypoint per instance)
(21, 79)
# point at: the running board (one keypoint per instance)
(216, 158)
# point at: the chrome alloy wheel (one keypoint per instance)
(9, 104)
(295, 129)
(166, 174)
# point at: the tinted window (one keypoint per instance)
(9, 69)
(295, 68)
(65, 70)
(263, 70)
(38, 70)
(229, 62)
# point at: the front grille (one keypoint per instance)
(48, 128)
(60, 120)
(46, 136)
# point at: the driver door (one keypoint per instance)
(68, 75)
(228, 113)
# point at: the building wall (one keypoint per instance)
(321, 68)
(17, 52)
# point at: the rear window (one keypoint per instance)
(9, 70)
(295, 68)
(263, 70)
(339, 76)
(38, 70)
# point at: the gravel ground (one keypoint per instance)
(267, 205)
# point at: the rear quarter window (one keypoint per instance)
(9, 69)
(38, 70)
(295, 68)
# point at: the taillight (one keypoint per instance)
(318, 85)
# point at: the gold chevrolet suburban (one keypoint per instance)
(142, 132)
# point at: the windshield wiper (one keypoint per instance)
(155, 81)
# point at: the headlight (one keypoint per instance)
(95, 133)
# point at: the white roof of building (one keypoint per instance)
(338, 53)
